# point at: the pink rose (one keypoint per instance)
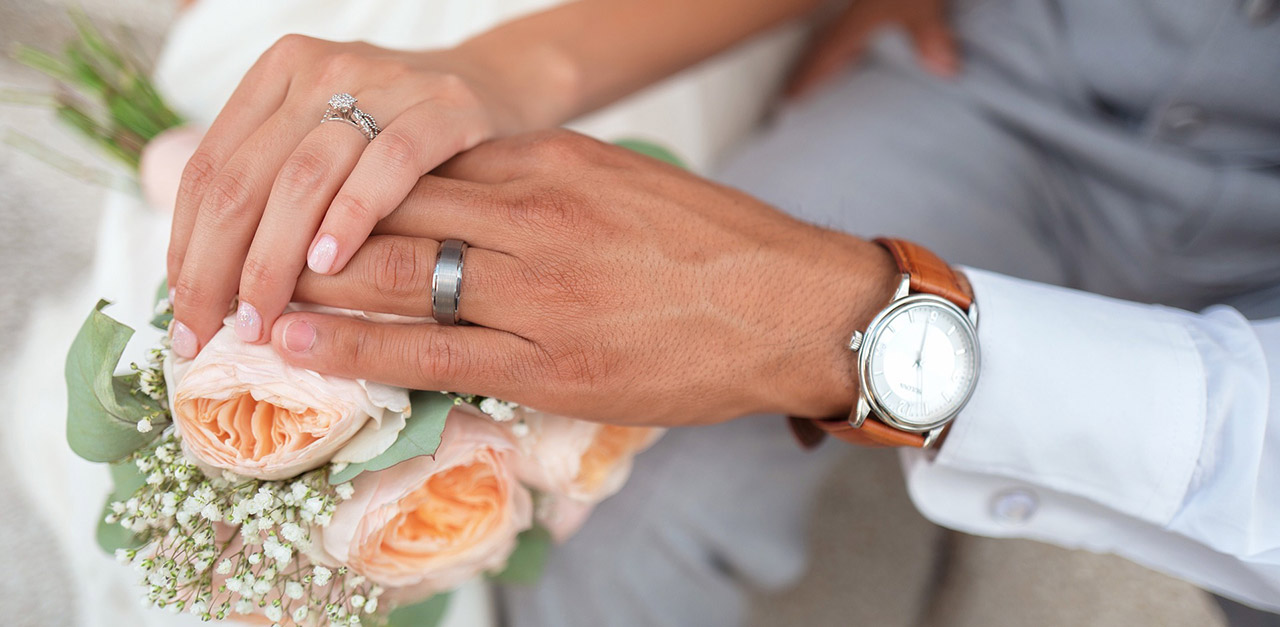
(576, 464)
(430, 523)
(240, 407)
(160, 167)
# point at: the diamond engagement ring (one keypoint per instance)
(446, 282)
(342, 108)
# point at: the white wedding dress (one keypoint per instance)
(697, 114)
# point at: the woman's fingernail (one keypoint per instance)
(299, 336)
(322, 254)
(183, 340)
(171, 293)
(248, 323)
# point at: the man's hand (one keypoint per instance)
(845, 40)
(604, 285)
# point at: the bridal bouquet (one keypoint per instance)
(246, 487)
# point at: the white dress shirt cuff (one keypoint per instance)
(1062, 403)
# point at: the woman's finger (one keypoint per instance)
(468, 360)
(303, 189)
(831, 52)
(224, 227)
(259, 94)
(391, 274)
(413, 144)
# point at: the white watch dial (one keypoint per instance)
(922, 363)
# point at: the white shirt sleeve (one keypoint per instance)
(1145, 431)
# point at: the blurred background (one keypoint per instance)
(875, 560)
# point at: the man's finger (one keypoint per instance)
(468, 360)
(392, 274)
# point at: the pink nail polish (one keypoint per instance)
(248, 323)
(322, 255)
(183, 340)
(299, 336)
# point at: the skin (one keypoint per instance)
(603, 284)
(271, 203)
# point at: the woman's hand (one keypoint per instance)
(270, 188)
(845, 39)
(604, 285)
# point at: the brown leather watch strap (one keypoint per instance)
(929, 275)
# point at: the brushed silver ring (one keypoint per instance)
(446, 282)
(342, 108)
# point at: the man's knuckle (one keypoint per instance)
(397, 268)
(438, 357)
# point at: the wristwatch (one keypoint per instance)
(917, 362)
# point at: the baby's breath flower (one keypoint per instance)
(322, 575)
(144, 426)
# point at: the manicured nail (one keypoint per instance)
(248, 323)
(183, 340)
(299, 336)
(322, 254)
(171, 293)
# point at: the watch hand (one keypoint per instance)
(920, 353)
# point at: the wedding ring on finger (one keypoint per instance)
(446, 282)
(342, 108)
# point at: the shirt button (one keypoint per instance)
(1184, 120)
(1260, 12)
(1014, 507)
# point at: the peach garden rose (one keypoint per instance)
(428, 524)
(576, 464)
(241, 408)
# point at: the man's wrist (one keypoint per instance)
(858, 283)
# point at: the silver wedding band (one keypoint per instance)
(342, 108)
(446, 282)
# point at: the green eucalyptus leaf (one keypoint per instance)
(161, 320)
(102, 409)
(421, 436)
(651, 149)
(527, 561)
(425, 614)
(112, 536)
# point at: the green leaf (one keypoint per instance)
(112, 536)
(527, 561)
(651, 149)
(425, 614)
(161, 320)
(421, 436)
(102, 409)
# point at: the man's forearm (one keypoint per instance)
(576, 58)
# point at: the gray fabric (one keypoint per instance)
(1062, 155)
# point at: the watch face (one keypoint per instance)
(921, 363)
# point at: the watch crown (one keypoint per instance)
(855, 342)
